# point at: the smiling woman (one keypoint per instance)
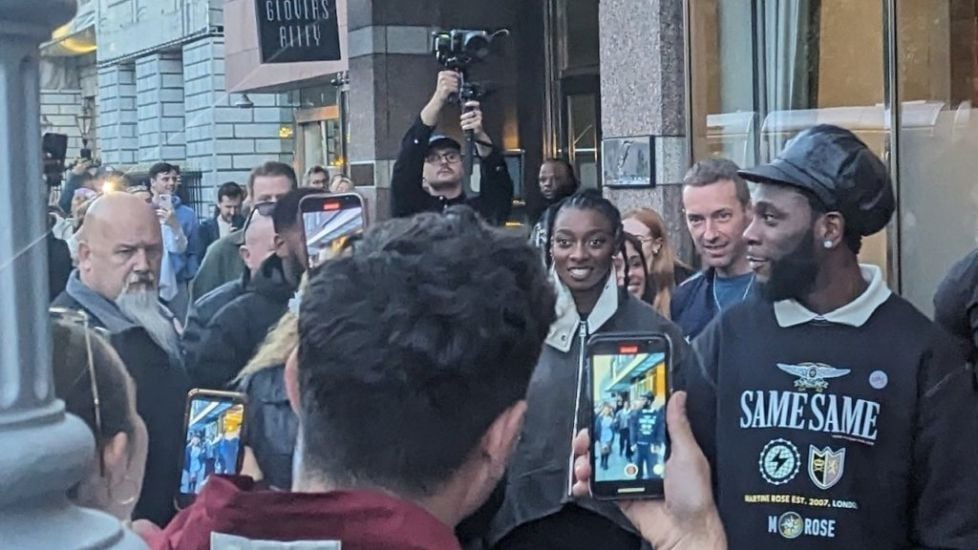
(584, 236)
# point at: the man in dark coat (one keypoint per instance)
(119, 253)
(227, 219)
(956, 304)
(231, 338)
(429, 170)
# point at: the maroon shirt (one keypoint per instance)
(361, 520)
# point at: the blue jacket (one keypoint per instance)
(692, 305)
(185, 265)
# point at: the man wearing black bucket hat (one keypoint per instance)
(835, 415)
(429, 171)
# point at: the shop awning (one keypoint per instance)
(77, 37)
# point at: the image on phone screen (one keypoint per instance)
(329, 223)
(213, 440)
(629, 397)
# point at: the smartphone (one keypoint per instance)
(164, 201)
(85, 193)
(212, 440)
(329, 222)
(627, 381)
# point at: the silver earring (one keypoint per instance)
(827, 243)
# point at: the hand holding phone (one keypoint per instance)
(628, 386)
(164, 201)
(329, 222)
(212, 427)
(688, 513)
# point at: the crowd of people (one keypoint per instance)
(419, 389)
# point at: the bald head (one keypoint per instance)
(259, 242)
(120, 246)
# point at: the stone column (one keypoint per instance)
(643, 95)
(43, 451)
(117, 121)
(159, 104)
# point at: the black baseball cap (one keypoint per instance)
(840, 170)
(441, 141)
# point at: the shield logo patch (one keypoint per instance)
(825, 466)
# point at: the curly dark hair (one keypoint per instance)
(412, 346)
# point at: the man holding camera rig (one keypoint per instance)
(434, 162)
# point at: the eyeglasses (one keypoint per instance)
(78, 317)
(265, 208)
(450, 157)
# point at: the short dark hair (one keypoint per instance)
(317, 169)
(419, 340)
(271, 168)
(162, 168)
(230, 190)
(710, 171)
(286, 214)
(571, 172)
(851, 237)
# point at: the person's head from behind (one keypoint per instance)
(444, 319)
(717, 205)
(259, 238)
(290, 242)
(584, 236)
(339, 184)
(317, 176)
(230, 196)
(270, 182)
(814, 204)
(632, 265)
(557, 179)
(443, 165)
(115, 479)
(164, 178)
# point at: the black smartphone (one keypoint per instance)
(627, 381)
(328, 224)
(212, 440)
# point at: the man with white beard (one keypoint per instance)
(120, 249)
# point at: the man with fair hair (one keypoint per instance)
(120, 249)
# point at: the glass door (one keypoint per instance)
(319, 139)
(763, 71)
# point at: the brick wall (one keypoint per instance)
(223, 141)
(117, 120)
(160, 108)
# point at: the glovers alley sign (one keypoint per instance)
(298, 30)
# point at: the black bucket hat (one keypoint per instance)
(840, 170)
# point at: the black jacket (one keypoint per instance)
(693, 305)
(408, 197)
(232, 336)
(270, 425)
(59, 266)
(203, 311)
(210, 231)
(161, 392)
(852, 430)
(956, 304)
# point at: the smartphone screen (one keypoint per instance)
(628, 385)
(212, 440)
(329, 221)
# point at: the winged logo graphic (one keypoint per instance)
(812, 376)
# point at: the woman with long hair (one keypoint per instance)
(663, 267)
(639, 284)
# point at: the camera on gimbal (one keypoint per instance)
(458, 49)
